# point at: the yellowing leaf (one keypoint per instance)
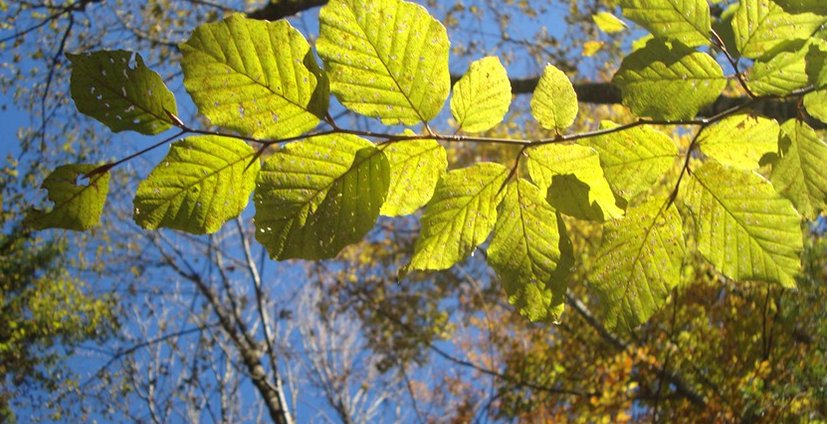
(781, 73)
(761, 25)
(459, 217)
(573, 179)
(740, 141)
(316, 196)
(799, 173)
(554, 103)
(201, 184)
(608, 23)
(687, 21)
(669, 81)
(116, 88)
(816, 104)
(386, 59)
(256, 77)
(482, 96)
(743, 227)
(591, 47)
(633, 160)
(78, 202)
(638, 264)
(530, 252)
(415, 168)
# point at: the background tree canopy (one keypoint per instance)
(541, 211)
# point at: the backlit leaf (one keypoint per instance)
(782, 73)
(608, 23)
(740, 141)
(816, 104)
(415, 168)
(819, 7)
(760, 25)
(78, 201)
(633, 160)
(554, 103)
(201, 184)
(117, 89)
(743, 227)
(481, 97)
(638, 264)
(386, 59)
(316, 196)
(799, 173)
(572, 176)
(654, 78)
(459, 217)
(687, 21)
(255, 77)
(816, 59)
(531, 252)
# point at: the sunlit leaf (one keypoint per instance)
(459, 217)
(554, 103)
(530, 252)
(740, 141)
(481, 97)
(638, 264)
(256, 77)
(591, 47)
(116, 88)
(573, 179)
(816, 104)
(633, 160)
(200, 184)
(687, 21)
(761, 25)
(819, 7)
(799, 173)
(316, 196)
(608, 23)
(415, 168)
(669, 82)
(78, 201)
(782, 73)
(386, 59)
(743, 227)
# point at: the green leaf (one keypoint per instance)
(743, 227)
(761, 25)
(256, 77)
(782, 72)
(608, 23)
(638, 264)
(819, 7)
(120, 91)
(669, 82)
(687, 21)
(415, 169)
(573, 178)
(799, 173)
(530, 252)
(459, 217)
(554, 103)
(633, 160)
(316, 196)
(816, 67)
(386, 59)
(78, 202)
(816, 104)
(481, 97)
(740, 141)
(201, 184)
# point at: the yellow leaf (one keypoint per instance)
(590, 48)
(608, 23)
